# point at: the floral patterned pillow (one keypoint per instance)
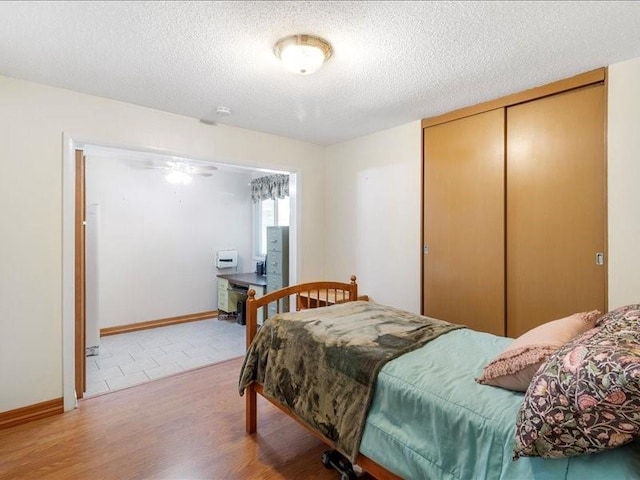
(586, 398)
(616, 314)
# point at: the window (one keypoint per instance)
(268, 213)
(270, 196)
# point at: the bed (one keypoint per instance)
(427, 418)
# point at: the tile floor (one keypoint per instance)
(132, 358)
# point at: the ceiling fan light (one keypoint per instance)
(303, 54)
(177, 177)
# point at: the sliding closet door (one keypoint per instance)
(464, 221)
(555, 207)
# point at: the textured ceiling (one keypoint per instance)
(393, 62)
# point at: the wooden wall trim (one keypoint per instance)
(606, 189)
(80, 333)
(588, 78)
(423, 239)
(162, 322)
(31, 412)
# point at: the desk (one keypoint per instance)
(233, 286)
(248, 280)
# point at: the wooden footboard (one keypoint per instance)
(302, 296)
(305, 295)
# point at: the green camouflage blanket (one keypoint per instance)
(323, 363)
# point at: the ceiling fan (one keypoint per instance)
(177, 170)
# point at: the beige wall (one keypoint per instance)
(370, 193)
(624, 183)
(33, 119)
(372, 207)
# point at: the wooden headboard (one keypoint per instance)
(307, 295)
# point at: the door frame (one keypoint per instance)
(80, 293)
(72, 142)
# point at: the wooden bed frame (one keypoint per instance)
(307, 295)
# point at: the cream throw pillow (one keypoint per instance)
(514, 368)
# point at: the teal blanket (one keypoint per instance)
(429, 419)
(322, 363)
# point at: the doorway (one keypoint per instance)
(78, 331)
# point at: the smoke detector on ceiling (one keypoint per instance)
(223, 111)
(220, 111)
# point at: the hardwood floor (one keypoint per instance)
(189, 426)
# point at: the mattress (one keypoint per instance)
(430, 420)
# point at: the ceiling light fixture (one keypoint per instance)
(179, 173)
(302, 54)
(176, 177)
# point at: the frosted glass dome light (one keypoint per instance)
(303, 54)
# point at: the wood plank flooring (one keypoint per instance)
(189, 426)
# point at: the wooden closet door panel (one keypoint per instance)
(555, 207)
(464, 221)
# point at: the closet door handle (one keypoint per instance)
(599, 258)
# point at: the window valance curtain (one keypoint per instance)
(270, 187)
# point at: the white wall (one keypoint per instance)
(623, 170)
(33, 121)
(372, 213)
(157, 241)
